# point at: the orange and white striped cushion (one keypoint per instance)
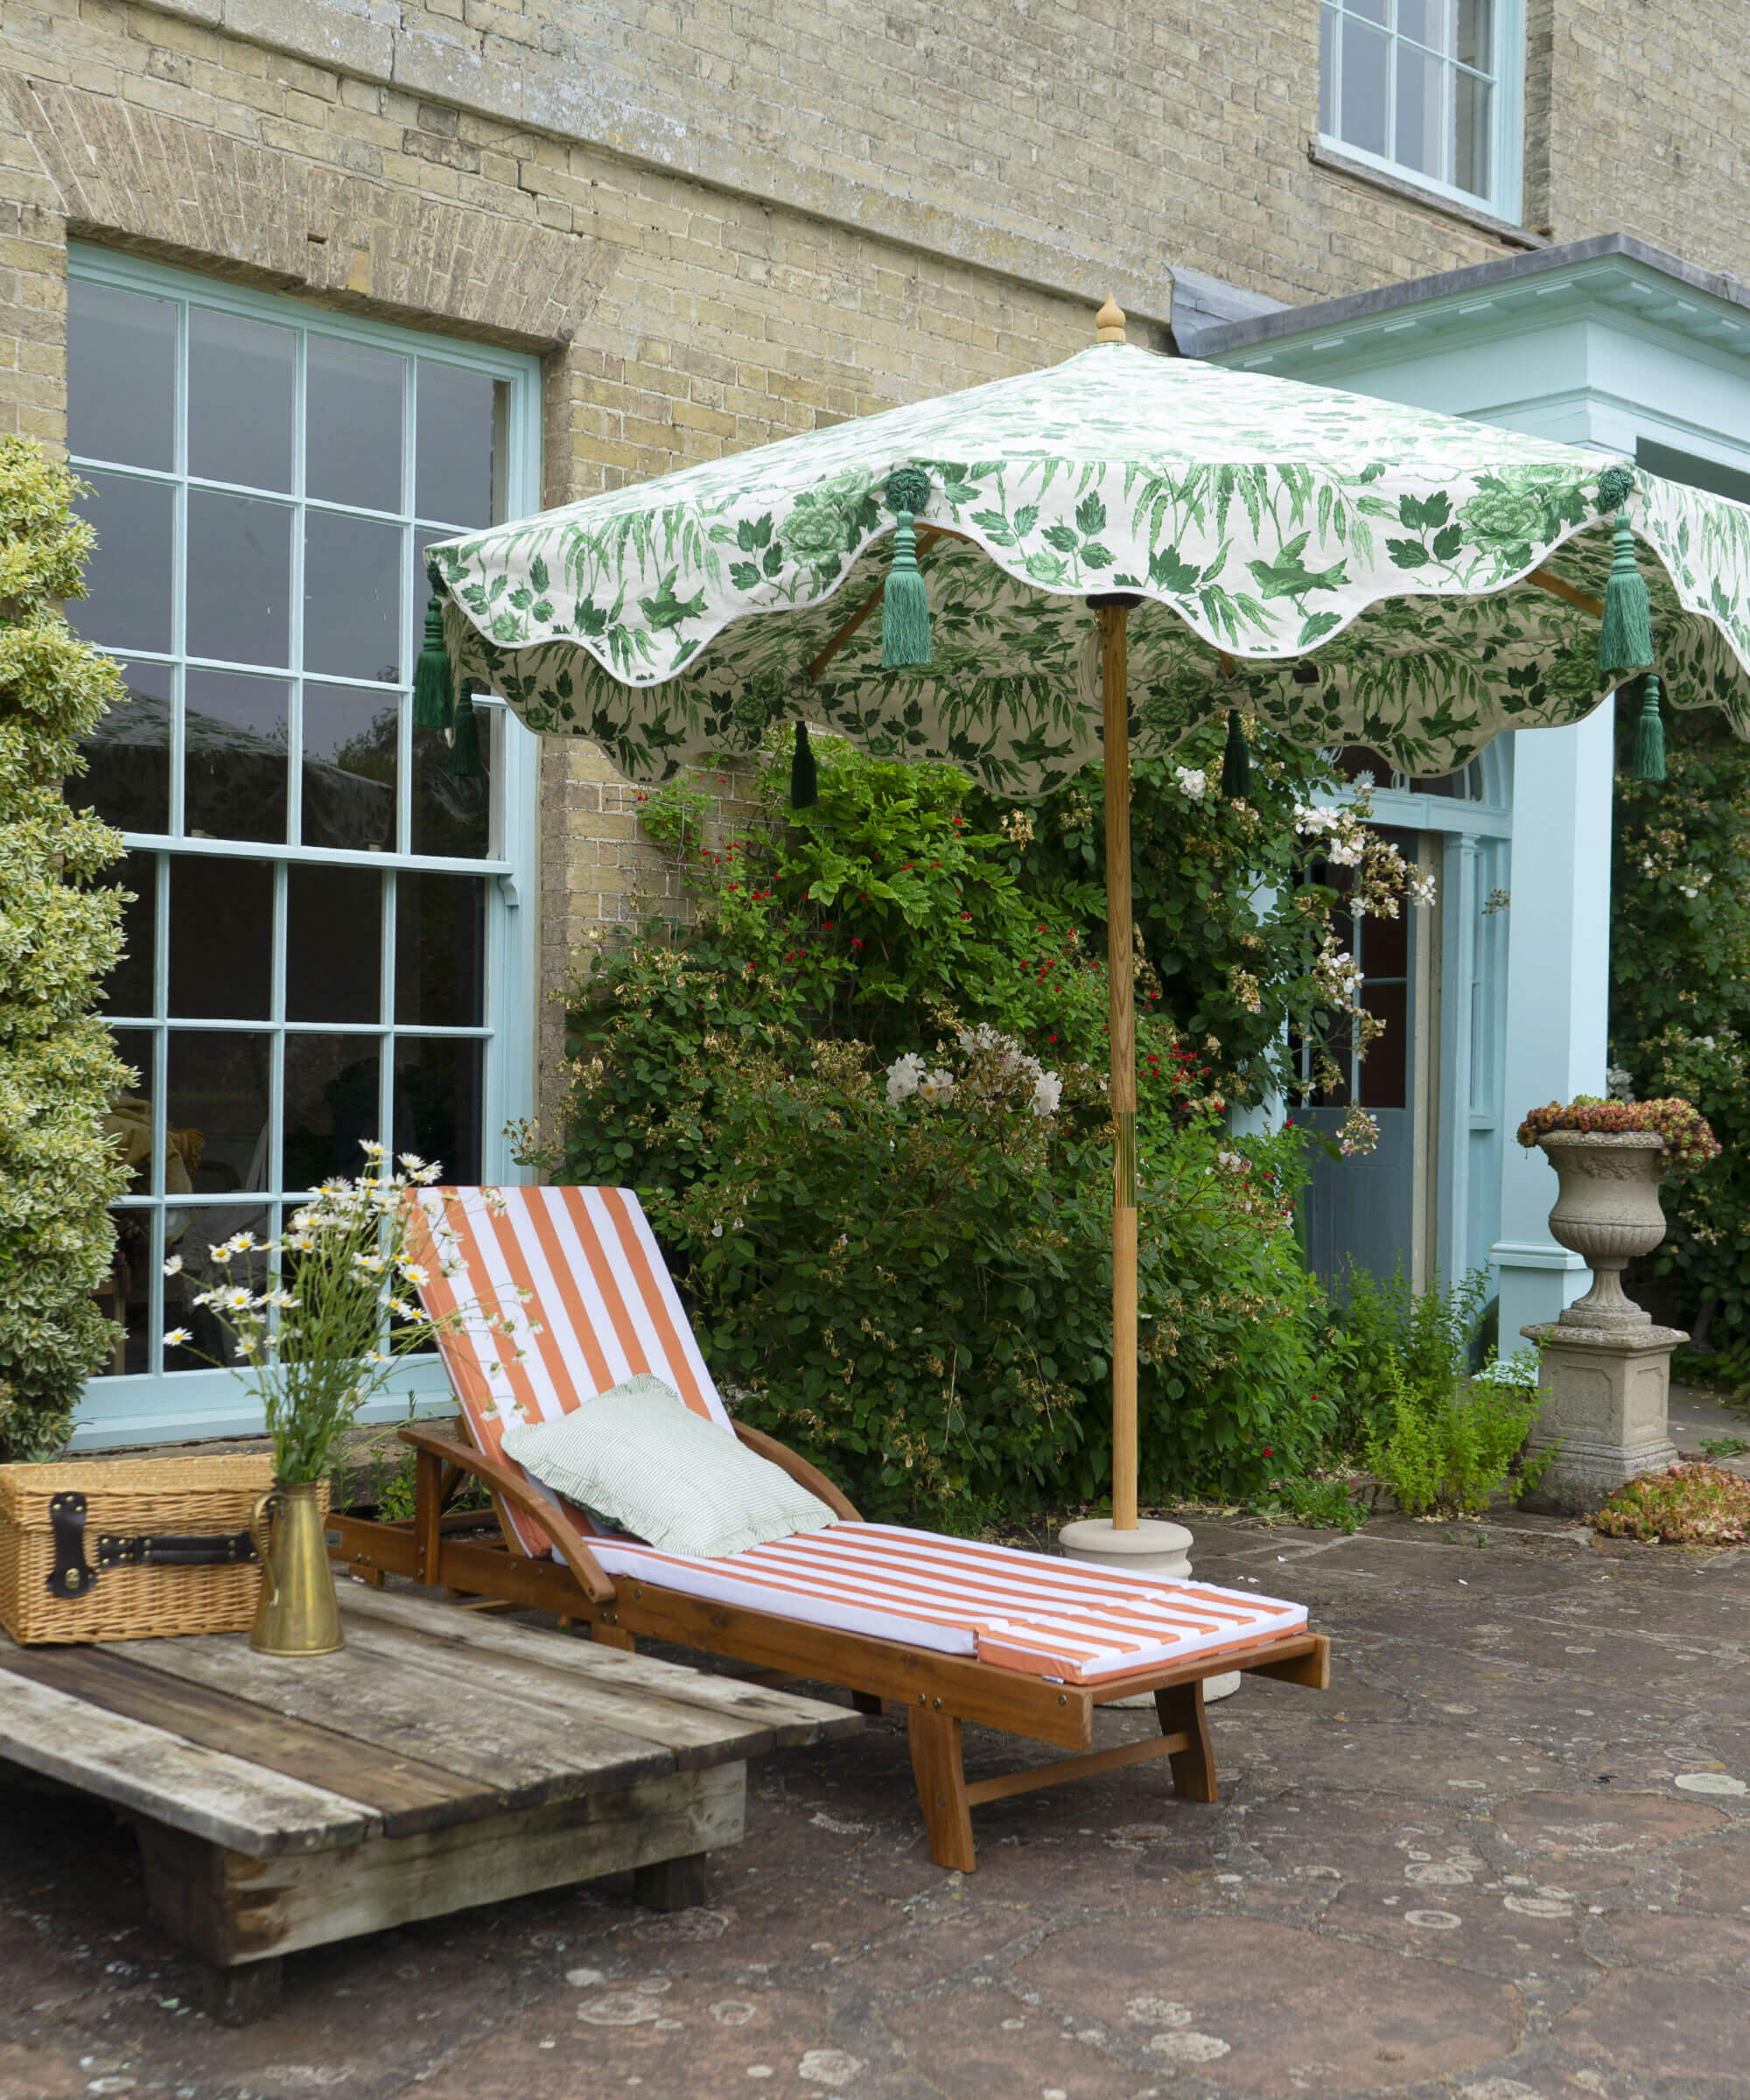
(1032, 1611)
(603, 1307)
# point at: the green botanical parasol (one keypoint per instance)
(1116, 546)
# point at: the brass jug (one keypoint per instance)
(298, 1614)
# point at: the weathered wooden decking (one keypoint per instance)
(442, 1759)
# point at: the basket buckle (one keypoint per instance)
(71, 1575)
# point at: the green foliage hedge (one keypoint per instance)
(912, 1279)
(60, 933)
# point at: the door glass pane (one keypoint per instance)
(234, 756)
(1367, 52)
(333, 944)
(126, 602)
(350, 750)
(352, 422)
(220, 938)
(331, 1104)
(1421, 111)
(352, 596)
(240, 377)
(121, 376)
(458, 422)
(128, 988)
(438, 1104)
(239, 579)
(440, 950)
(127, 756)
(216, 1095)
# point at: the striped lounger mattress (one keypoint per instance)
(578, 1277)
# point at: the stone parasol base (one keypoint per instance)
(1154, 1548)
(1605, 1391)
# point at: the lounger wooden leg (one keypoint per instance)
(670, 1884)
(941, 1787)
(1180, 1708)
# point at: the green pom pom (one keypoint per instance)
(804, 780)
(1615, 486)
(465, 750)
(908, 490)
(905, 604)
(1649, 762)
(433, 695)
(1625, 634)
(1237, 760)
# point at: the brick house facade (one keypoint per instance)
(715, 226)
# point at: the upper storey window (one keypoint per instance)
(1428, 89)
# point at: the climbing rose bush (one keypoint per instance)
(1688, 1142)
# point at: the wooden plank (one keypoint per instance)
(1290, 1655)
(484, 1733)
(792, 1721)
(408, 1795)
(231, 1908)
(1063, 1768)
(222, 1800)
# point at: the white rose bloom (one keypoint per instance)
(1193, 782)
(903, 1077)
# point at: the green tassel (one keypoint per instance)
(1237, 760)
(433, 695)
(804, 780)
(1649, 762)
(905, 604)
(464, 748)
(1625, 634)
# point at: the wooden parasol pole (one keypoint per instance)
(1121, 1022)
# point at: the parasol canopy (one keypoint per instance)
(1350, 570)
(1111, 549)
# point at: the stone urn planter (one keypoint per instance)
(1608, 1211)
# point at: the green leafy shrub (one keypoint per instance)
(59, 934)
(862, 1099)
(1389, 1338)
(1448, 1451)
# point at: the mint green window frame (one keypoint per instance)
(1499, 73)
(156, 1404)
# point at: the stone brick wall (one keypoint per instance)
(719, 225)
(1638, 121)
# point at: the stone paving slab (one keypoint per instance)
(1507, 1857)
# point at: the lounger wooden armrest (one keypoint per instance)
(438, 1451)
(799, 1471)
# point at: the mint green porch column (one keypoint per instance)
(1557, 991)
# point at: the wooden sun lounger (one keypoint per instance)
(631, 1304)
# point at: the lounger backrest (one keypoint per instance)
(602, 1307)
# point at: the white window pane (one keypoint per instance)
(440, 950)
(121, 376)
(241, 376)
(351, 741)
(1367, 55)
(331, 1104)
(126, 602)
(216, 1113)
(1473, 41)
(1421, 111)
(239, 568)
(353, 424)
(439, 1102)
(352, 596)
(192, 1231)
(128, 988)
(220, 938)
(127, 757)
(1327, 70)
(333, 944)
(458, 426)
(1428, 21)
(235, 766)
(1473, 160)
(1374, 10)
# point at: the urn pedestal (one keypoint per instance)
(1605, 1369)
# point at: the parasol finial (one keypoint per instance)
(1109, 323)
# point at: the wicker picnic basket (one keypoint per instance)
(122, 1548)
